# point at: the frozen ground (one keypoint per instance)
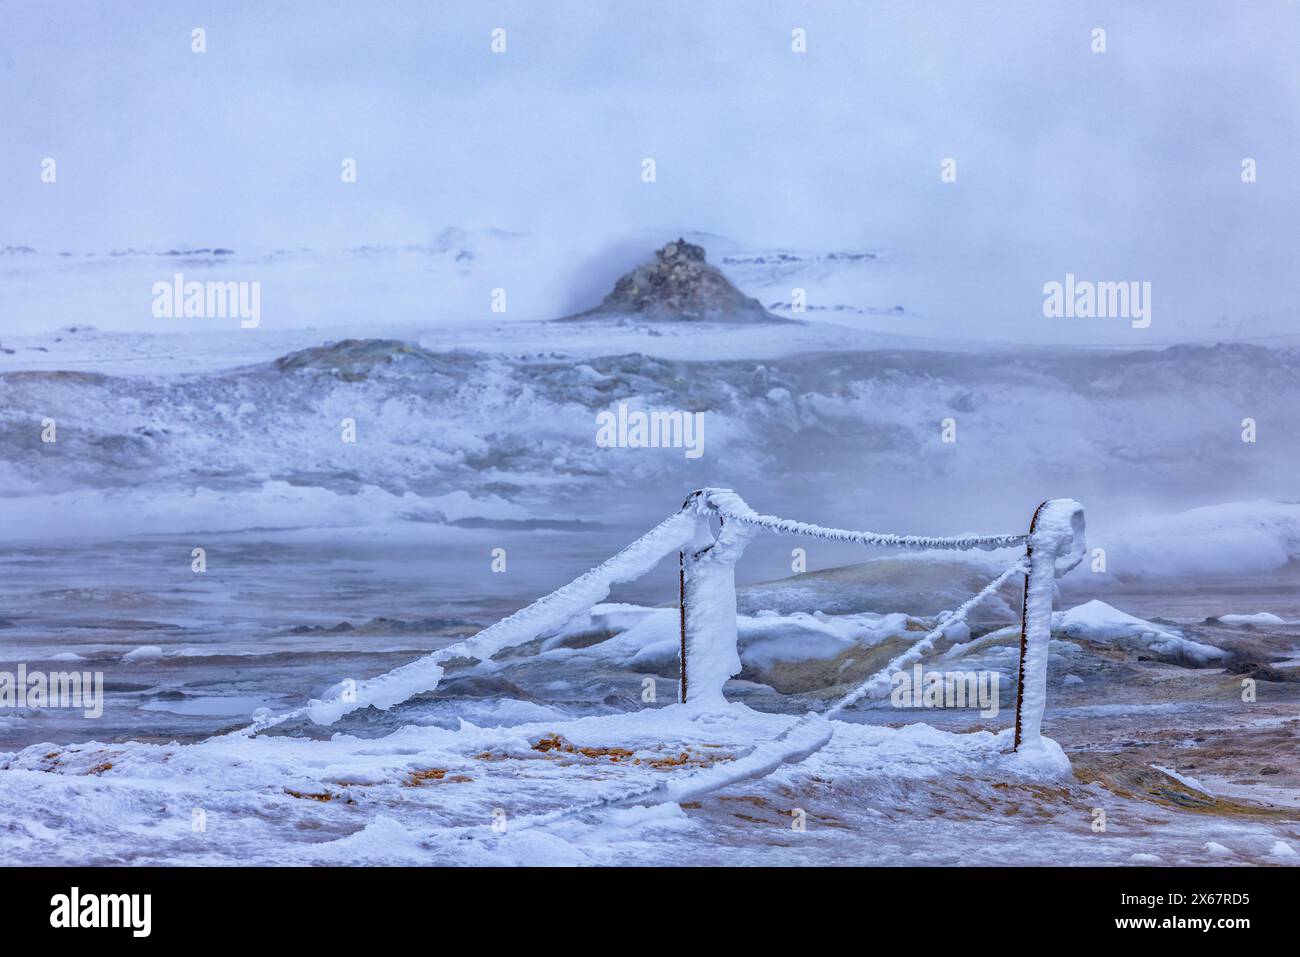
(563, 721)
(428, 795)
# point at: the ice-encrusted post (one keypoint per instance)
(707, 586)
(1056, 545)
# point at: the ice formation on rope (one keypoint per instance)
(728, 505)
(550, 611)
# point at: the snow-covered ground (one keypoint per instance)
(428, 795)
(485, 770)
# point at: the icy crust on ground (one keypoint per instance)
(1098, 621)
(427, 795)
(872, 795)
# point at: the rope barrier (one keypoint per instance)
(553, 609)
(801, 738)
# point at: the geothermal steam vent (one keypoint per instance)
(680, 286)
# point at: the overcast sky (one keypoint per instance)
(1120, 165)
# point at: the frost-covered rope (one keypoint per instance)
(729, 505)
(549, 611)
(912, 654)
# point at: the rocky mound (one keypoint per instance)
(680, 286)
(355, 360)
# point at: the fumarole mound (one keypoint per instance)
(679, 285)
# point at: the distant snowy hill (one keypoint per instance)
(499, 423)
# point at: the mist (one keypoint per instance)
(1123, 165)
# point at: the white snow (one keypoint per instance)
(1184, 779)
(1097, 621)
(651, 636)
(1259, 618)
(284, 800)
(1229, 538)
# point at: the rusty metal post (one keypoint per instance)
(681, 604)
(1024, 623)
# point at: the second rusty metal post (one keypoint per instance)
(1024, 624)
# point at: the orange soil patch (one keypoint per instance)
(681, 760)
(557, 743)
(416, 778)
(322, 797)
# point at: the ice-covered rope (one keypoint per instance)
(912, 654)
(549, 611)
(729, 505)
